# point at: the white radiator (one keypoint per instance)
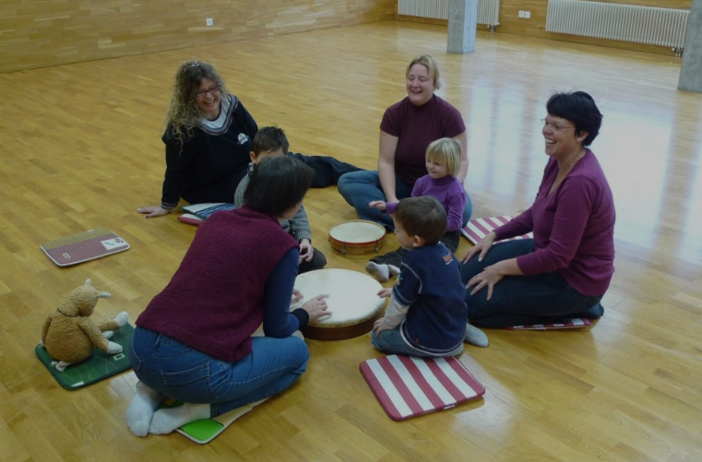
(488, 10)
(628, 23)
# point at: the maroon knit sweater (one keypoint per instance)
(215, 300)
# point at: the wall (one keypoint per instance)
(36, 33)
(510, 23)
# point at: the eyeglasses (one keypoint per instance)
(213, 90)
(556, 127)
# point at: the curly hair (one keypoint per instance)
(183, 113)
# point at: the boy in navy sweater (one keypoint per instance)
(427, 312)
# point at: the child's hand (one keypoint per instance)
(306, 250)
(385, 293)
(379, 326)
(382, 205)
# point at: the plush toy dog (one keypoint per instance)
(71, 337)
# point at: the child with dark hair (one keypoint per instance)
(270, 142)
(427, 313)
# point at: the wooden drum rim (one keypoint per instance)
(353, 302)
(341, 246)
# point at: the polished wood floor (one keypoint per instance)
(81, 149)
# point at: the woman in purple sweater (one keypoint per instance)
(566, 269)
(194, 342)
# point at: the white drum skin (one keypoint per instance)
(353, 302)
(357, 236)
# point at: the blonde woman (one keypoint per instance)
(407, 129)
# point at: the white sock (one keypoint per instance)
(141, 409)
(475, 336)
(380, 272)
(394, 270)
(168, 419)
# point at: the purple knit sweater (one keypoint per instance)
(573, 227)
(215, 300)
(448, 191)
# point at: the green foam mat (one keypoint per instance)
(205, 430)
(99, 366)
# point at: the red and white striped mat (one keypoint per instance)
(407, 386)
(478, 228)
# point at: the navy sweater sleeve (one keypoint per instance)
(277, 320)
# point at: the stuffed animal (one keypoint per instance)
(70, 336)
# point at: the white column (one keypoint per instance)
(462, 25)
(691, 72)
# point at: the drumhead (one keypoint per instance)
(353, 296)
(357, 232)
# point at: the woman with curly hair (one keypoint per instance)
(208, 140)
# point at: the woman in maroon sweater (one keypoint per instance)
(194, 343)
(566, 269)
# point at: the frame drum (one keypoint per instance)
(353, 302)
(356, 237)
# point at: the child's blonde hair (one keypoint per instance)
(448, 152)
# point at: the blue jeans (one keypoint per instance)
(361, 188)
(520, 300)
(187, 375)
(390, 341)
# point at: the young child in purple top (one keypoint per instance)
(443, 162)
(566, 269)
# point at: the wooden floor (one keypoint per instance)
(81, 149)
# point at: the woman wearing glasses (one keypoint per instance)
(208, 142)
(564, 271)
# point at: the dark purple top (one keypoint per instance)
(573, 227)
(217, 298)
(448, 191)
(416, 127)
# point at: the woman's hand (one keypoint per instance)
(386, 165)
(385, 293)
(306, 250)
(490, 276)
(316, 307)
(380, 205)
(296, 296)
(153, 212)
(379, 326)
(482, 247)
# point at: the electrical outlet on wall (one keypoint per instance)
(527, 15)
(209, 22)
(521, 14)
